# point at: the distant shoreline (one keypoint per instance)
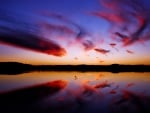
(16, 68)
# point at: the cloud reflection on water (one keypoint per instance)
(93, 92)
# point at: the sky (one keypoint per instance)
(58, 32)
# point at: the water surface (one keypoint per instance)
(76, 92)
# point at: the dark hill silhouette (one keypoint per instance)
(16, 68)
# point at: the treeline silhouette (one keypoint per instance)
(16, 68)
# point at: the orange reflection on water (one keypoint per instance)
(10, 82)
(70, 92)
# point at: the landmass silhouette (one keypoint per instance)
(17, 68)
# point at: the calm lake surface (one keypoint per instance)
(76, 92)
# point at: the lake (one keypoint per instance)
(75, 92)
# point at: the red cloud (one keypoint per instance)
(31, 42)
(102, 51)
(112, 45)
(129, 18)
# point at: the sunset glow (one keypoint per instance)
(97, 32)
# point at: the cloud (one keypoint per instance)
(102, 51)
(88, 45)
(129, 19)
(31, 41)
(112, 45)
(59, 29)
(78, 34)
(129, 51)
(43, 35)
(26, 35)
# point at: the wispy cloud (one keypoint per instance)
(27, 36)
(129, 51)
(129, 19)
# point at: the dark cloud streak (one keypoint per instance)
(26, 35)
(32, 42)
(102, 51)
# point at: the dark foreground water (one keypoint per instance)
(75, 92)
